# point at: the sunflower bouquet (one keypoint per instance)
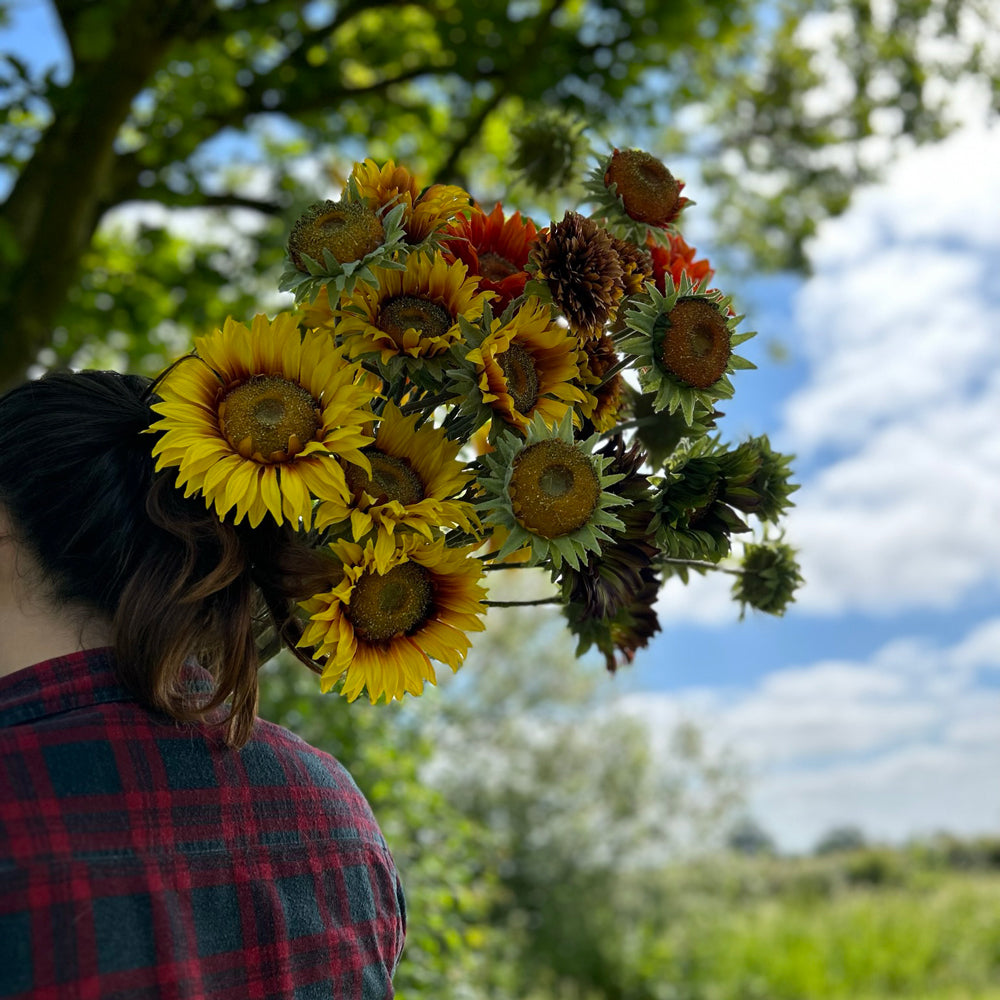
(458, 391)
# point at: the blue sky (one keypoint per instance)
(876, 700)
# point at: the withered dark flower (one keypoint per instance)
(607, 581)
(577, 259)
(620, 635)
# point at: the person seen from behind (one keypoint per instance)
(156, 837)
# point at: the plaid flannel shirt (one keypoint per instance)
(143, 858)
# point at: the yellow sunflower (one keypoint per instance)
(423, 214)
(317, 315)
(379, 627)
(254, 416)
(550, 492)
(527, 366)
(413, 312)
(415, 473)
(603, 394)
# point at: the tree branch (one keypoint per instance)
(233, 18)
(171, 199)
(255, 97)
(448, 169)
(53, 208)
(447, 172)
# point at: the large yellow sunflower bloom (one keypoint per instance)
(414, 474)
(424, 213)
(379, 627)
(258, 417)
(528, 366)
(413, 312)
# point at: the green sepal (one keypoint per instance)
(335, 276)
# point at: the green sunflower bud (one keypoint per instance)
(549, 150)
(769, 579)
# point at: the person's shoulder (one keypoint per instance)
(300, 762)
(310, 778)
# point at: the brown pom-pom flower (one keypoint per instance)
(578, 261)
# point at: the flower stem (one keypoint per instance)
(427, 403)
(701, 564)
(522, 604)
(616, 368)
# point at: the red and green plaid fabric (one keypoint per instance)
(143, 858)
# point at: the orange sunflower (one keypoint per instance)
(494, 248)
(425, 213)
(379, 626)
(253, 419)
(526, 366)
(413, 312)
(677, 258)
(415, 475)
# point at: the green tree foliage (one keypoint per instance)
(841, 838)
(748, 836)
(161, 91)
(162, 96)
(833, 91)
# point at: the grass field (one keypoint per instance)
(818, 932)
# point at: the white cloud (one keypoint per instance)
(899, 325)
(907, 742)
(704, 600)
(909, 519)
(903, 305)
(896, 424)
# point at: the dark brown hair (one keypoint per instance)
(77, 480)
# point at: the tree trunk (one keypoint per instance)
(53, 209)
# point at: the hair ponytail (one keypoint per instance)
(109, 534)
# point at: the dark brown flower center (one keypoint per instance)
(494, 267)
(696, 343)
(554, 488)
(386, 605)
(349, 230)
(392, 478)
(410, 312)
(269, 418)
(519, 370)
(648, 190)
